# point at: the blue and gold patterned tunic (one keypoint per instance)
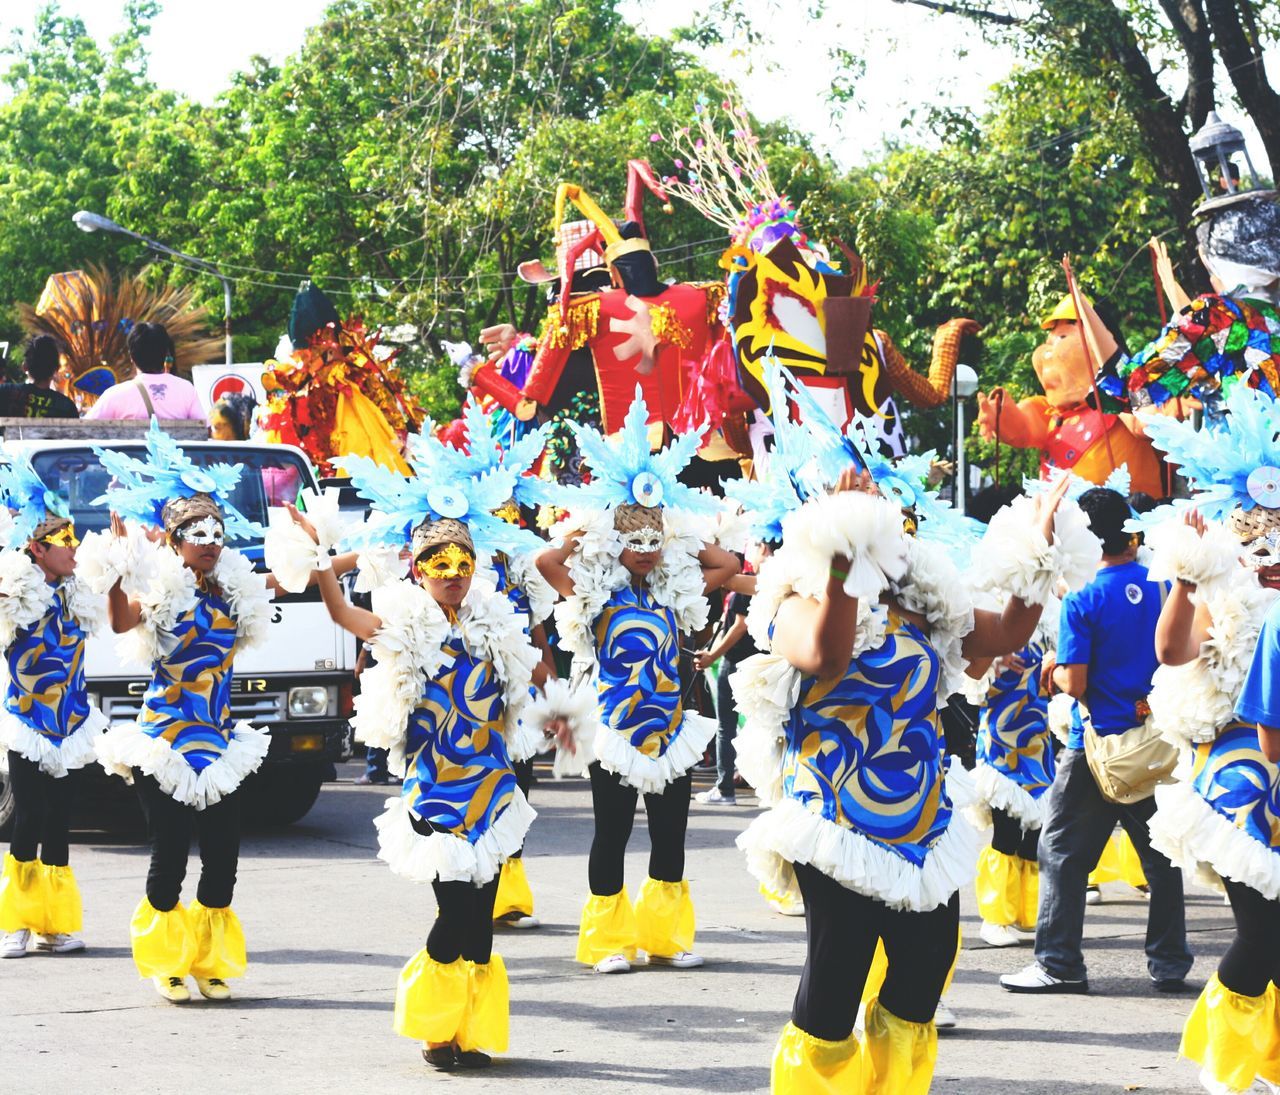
(188, 702)
(1013, 736)
(865, 750)
(458, 776)
(638, 679)
(46, 689)
(1239, 783)
(514, 593)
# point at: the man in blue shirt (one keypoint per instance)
(1106, 659)
(1259, 700)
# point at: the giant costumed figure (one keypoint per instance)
(1065, 423)
(787, 300)
(336, 395)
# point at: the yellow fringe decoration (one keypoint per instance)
(486, 1024)
(163, 944)
(608, 927)
(667, 328)
(23, 891)
(1228, 1035)
(219, 942)
(900, 1055)
(664, 918)
(514, 893)
(805, 1065)
(579, 328)
(432, 998)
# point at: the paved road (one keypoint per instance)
(329, 927)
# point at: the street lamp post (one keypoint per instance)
(95, 222)
(963, 385)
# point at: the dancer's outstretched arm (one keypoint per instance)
(362, 623)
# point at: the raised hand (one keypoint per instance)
(1046, 506)
(301, 520)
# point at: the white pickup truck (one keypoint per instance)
(297, 685)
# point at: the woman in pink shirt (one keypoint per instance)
(153, 390)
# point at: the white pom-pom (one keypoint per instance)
(1179, 552)
(376, 566)
(863, 527)
(579, 707)
(1018, 559)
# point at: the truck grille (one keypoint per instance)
(255, 707)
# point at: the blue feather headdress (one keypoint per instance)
(446, 484)
(1232, 464)
(486, 454)
(625, 472)
(142, 487)
(29, 498)
(809, 456)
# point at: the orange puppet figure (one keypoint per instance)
(1063, 424)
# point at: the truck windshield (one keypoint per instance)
(268, 478)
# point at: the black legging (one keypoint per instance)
(464, 922)
(1008, 838)
(614, 804)
(170, 825)
(41, 813)
(524, 780)
(1253, 959)
(843, 928)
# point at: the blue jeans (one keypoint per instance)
(1076, 829)
(727, 717)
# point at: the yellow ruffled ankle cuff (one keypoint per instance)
(664, 918)
(900, 1056)
(432, 998)
(805, 1065)
(1119, 862)
(163, 944)
(219, 942)
(514, 894)
(487, 1021)
(1229, 1036)
(64, 913)
(1029, 913)
(608, 927)
(999, 887)
(23, 893)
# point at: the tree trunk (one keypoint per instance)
(1192, 28)
(1244, 63)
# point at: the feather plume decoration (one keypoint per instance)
(483, 453)
(624, 471)
(446, 483)
(1232, 464)
(29, 498)
(140, 488)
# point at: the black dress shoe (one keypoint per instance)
(472, 1058)
(1170, 984)
(441, 1058)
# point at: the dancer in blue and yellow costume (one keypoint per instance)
(1221, 818)
(868, 630)
(47, 724)
(514, 574)
(635, 574)
(452, 674)
(185, 605)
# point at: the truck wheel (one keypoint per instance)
(282, 794)
(6, 807)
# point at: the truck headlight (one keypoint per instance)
(308, 701)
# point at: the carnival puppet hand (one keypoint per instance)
(498, 339)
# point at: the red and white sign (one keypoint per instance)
(215, 381)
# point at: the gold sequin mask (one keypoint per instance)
(63, 537)
(446, 562)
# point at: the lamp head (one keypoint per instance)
(95, 222)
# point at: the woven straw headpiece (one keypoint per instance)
(447, 530)
(633, 517)
(181, 511)
(1248, 525)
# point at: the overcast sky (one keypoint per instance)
(913, 57)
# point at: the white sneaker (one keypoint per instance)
(944, 1018)
(519, 920)
(61, 943)
(14, 944)
(681, 960)
(1035, 978)
(1093, 896)
(615, 963)
(715, 798)
(794, 908)
(1000, 935)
